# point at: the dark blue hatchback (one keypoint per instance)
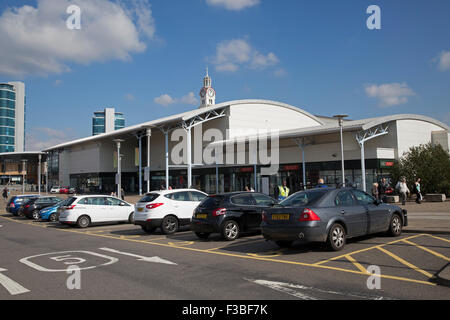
(16, 202)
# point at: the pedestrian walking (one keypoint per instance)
(382, 186)
(402, 188)
(417, 191)
(122, 194)
(321, 184)
(5, 193)
(375, 192)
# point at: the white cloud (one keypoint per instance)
(232, 54)
(166, 100)
(444, 61)
(39, 43)
(57, 83)
(130, 97)
(40, 138)
(234, 5)
(390, 94)
(280, 72)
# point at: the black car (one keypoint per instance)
(330, 215)
(32, 207)
(230, 214)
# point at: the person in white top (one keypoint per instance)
(402, 189)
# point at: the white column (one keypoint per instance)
(189, 157)
(304, 166)
(363, 166)
(140, 165)
(166, 136)
(39, 173)
(149, 135)
(119, 169)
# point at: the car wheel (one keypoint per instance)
(169, 225)
(131, 218)
(395, 227)
(230, 230)
(36, 215)
(148, 229)
(284, 244)
(203, 235)
(83, 222)
(52, 217)
(336, 237)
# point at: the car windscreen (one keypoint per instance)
(211, 202)
(149, 197)
(303, 198)
(64, 202)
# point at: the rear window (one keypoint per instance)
(211, 202)
(303, 198)
(149, 197)
(69, 201)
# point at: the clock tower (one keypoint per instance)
(207, 93)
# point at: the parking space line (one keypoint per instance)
(366, 249)
(356, 263)
(428, 250)
(439, 238)
(406, 263)
(259, 258)
(240, 243)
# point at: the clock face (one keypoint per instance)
(202, 92)
(211, 92)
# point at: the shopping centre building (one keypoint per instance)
(226, 146)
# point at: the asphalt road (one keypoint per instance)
(121, 262)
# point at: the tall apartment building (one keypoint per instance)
(12, 117)
(107, 121)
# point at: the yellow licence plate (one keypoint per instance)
(202, 216)
(280, 217)
(140, 209)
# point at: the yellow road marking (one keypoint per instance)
(439, 238)
(428, 250)
(406, 263)
(366, 249)
(236, 244)
(250, 257)
(180, 243)
(273, 253)
(356, 263)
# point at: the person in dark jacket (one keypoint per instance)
(382, 186)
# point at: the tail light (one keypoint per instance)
(12, 205)
(308, 215)
(70, 207)
(264, 216)
(27, 206)
(219, 212)
(153, 205)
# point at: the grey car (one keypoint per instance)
(330, 215)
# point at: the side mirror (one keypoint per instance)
(377, 202)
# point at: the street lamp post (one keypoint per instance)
(39, 173)
(119, 174)
(340, 118)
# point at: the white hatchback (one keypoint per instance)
(86, 210)
(168, 209)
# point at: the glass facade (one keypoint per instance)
(99, 125)
(7, 118)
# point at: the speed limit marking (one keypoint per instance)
(68, 258)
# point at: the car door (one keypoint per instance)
(353, 213)
(182, 204)
(262, 202)
(250, 213)
(378, 216)
(120, 209)
(96, 209)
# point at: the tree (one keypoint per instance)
(428, 162)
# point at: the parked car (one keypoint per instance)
(51, 213)
(15, 202)
(330, 215)
(55, 189)
(64, 190)
(230, 214)
(34, 205)
(167, 209)
(83, 211)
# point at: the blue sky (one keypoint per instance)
(316, 55)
